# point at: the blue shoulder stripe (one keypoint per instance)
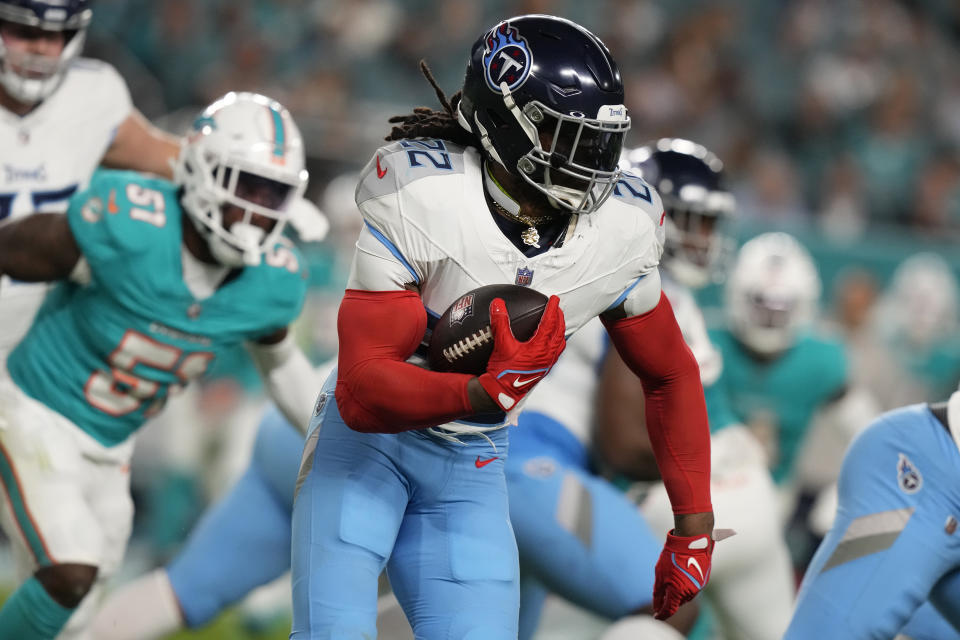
(623, 296)
(393, 249)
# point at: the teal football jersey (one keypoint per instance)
(108, 354)
(783, 393)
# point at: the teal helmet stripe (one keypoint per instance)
(278, 132)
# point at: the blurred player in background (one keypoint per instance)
(156, 278)
(916, 320)
(510, 183)
(240, 543)
(787, 382)
(894, 550)
(578, 535)
(751, 584)
(60, 117)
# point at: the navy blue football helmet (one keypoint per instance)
(699, 208)
(545, 98)
(30, 78)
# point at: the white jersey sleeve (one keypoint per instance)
(643, 286)
(394, 249)
(109, 101)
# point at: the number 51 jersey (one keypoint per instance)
(107, 354)
(427, 219)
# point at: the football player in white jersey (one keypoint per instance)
(60, 117)
(562, 509)
(515, 181)
(752, 586)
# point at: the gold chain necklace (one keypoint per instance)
(530, 236)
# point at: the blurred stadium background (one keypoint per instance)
(838, 120)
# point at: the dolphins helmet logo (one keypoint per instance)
(506, 58)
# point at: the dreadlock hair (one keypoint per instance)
(425, 122)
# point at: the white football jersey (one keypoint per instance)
(48, 155)
(427, 222)
(568, 393)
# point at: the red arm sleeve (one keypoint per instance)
(377, 391)
(653, 347)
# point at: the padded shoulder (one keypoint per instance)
(635, 192)
(400, 163)
(280, 281)
(122, 212)
(98, 89)
(826, 360)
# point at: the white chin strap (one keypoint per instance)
(228, 254)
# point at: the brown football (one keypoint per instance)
(462, 340)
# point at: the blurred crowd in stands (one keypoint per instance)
(845, 113)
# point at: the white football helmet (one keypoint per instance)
(772, 293)
(30, 78)
(921, 304)
(241, 143)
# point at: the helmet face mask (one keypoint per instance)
(241, 169)
(29, 77)
(574, 159)
(558, 124)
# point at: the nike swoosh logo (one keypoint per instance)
(380, 172)
(693, 562)
(480, 464)
(517, 383)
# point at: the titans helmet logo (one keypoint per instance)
(506, 58)
(908, 476)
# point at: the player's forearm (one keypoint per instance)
(140, 146)
(37, 248)
(387, 396)
(289, 379)
(654, 349)
(377, 391)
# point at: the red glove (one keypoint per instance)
(682, 571)
(515, 367)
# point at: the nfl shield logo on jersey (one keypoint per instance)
(908, 476)
(462, 309)
(524, 277)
